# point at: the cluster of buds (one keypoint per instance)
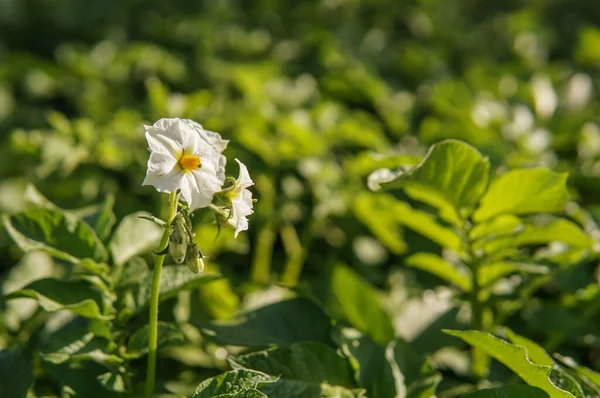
(181, 243)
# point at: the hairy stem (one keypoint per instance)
(153, 322)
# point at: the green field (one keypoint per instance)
(426, 180)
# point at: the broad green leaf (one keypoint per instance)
(452, 171)
(489, 273)
(371, 368)
(524, 191)
(283, 323)
(515, 358)
(173, 279)
(134, 236)
(60, 234)
(558, 230)
(518, 391)
(167, 334)
(439, 267)
(16, 372)
(233, 382)
(100, 217)
(414, 376)
(305, 370)
(52, 295)
(535, 353)
(357, 301)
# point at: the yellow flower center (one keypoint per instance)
(232, 194)
(190, 162)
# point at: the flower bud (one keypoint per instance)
(178, 240)
(194, 259)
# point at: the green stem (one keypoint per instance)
(295, 253)
(153, 322)
(261, 265)
(479, 360)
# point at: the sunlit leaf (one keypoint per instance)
(515, 358)
(489, 273)
(519, 391)
(52, 295)
(233, 382)
(452, 171)
(60, 234)
(535, 353)
(305, 370)
(439, 267)
(524, 191)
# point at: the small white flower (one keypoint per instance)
(241, 201)
(185, 156)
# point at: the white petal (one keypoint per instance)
(213, 138)
(169, 182)
(244, 179)
(161, 163)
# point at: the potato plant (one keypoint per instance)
(413, 211)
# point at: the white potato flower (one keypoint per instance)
(185, 156)
(241, 201)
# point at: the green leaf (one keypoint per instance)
(357, 300)
(233, 382)
(452, 171)
(372, 369)
(305, 370)
(173, 279)
(52, 295)
(524, 191)
(515, 358)
(134, 236)
(518, 391)
(16, 372)
(439, 267)
(167, 334)
(500, 226)
(283, 323)
(535, 353)
(415, 377)
(60, 234)
(490, 273)
(383, 214)
(559, 230)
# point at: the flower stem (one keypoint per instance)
(153, 322)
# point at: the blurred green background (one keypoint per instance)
(313, 96)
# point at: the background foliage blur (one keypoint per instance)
(313, 95)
